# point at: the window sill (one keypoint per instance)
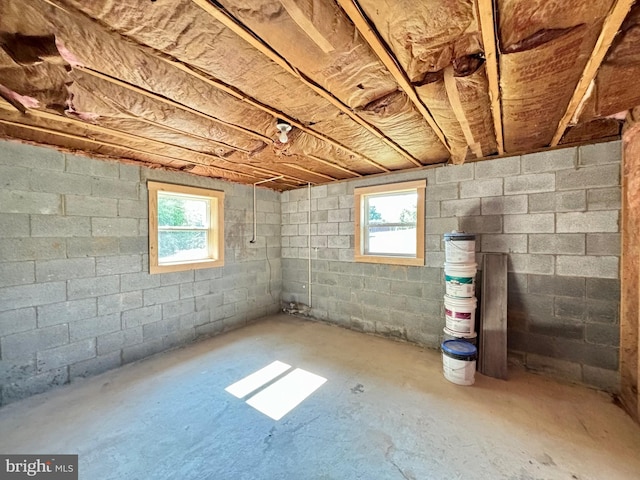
(183, 266)
(389, 260)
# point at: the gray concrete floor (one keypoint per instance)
(385, 412)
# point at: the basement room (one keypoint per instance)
(320, 239)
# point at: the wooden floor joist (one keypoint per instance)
(486, 17)
(117, 147)
(237, 94)
(334, 165)
(244, 33)
(356, 15)
(189, 154)
(311, 172)
(294, 122)
(188, 109)
(173, 103)
(458, 111)
(610, 28)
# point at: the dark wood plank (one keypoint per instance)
(493, 316)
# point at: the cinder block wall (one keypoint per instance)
(556, 214)
(76, 298)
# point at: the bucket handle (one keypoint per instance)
(451, 242)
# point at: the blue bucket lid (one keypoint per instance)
(458, 236)
(459, 347)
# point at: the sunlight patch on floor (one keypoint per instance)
(283, 395)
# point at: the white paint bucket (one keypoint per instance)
(460, 315)
(460, 247)
(459, 361)
(460, 279)
(451, 335)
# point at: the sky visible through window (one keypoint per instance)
(390, 207)
(399, 208)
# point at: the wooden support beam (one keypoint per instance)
(307, 25)
(178, 105)
(265, 108)
(456, 105)
(228, 21)
(162, 146)
(188, 134)
(610, 28)
(353, 11)
(173, 103)
(334, 165)
(311, 172)
(630, 267)
(232, 24)
(117, 147)
(487, 19)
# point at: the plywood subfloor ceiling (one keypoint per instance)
(368, 86)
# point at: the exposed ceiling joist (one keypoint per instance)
(220, 16)
(189, 154)
(610, 28)
(259, 45)
(296, 13)
(456, 105)
(116, 147)
(358, 18)
(487, 18)
(311, 172)
(333, 165)
(173, 103)
(277, 114)
(186, 108)
(371, 81)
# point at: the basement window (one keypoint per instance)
(186, 228)
(389, 224)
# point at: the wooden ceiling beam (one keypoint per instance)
(188, 134)
(610, 28)
(357, 16)
(130, 137)
(456, 105)
(247, 35)
(311, 172)
(334, 165)
(229, 90)
(185, 108)
(277, 114)
(307, 25)
(487, 19)
(102, 143)
(173, 103)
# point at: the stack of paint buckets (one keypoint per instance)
(459, 350)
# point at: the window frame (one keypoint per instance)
(359, 194)
(215, 231)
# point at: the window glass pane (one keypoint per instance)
(389, 240)
(178, 211)
(176, 246)
(393, 208)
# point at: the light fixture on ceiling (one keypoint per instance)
(283, 127)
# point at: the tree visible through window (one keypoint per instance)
(182, 228)
(390, 223)
(185, 227)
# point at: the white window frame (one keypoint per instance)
(215, 230)
(360, 194)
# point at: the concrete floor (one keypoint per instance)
(385, 412)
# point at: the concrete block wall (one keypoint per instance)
(76, 297)
(556, 215)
